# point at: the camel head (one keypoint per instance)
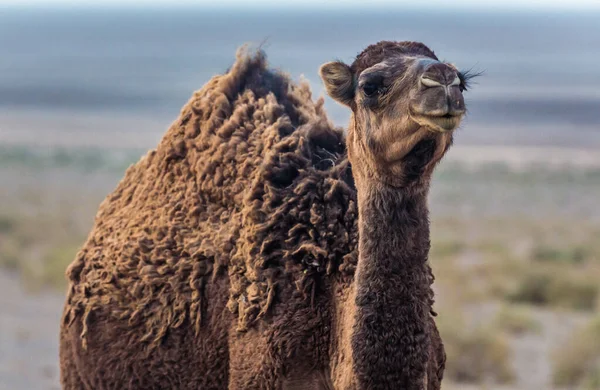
(405, 106)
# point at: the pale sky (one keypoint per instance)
(427, 4)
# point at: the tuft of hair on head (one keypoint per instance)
(466, 77)
(339, 81)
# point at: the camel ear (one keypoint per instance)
(339, 81)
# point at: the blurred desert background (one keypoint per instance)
(87, 89)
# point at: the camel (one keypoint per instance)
(259, 247)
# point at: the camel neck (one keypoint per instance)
(390, 341)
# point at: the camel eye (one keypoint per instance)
(373, 85)
(370, 89)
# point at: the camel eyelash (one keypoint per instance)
(466, 76)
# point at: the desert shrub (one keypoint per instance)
(7, 224)
(557, 288)
(442, 249)
(9, 253)
(577, 361)
(475, 355)
(517, 320)
(40, 247)
(55, 264)
(569, 255)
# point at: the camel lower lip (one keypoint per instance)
(439, 123)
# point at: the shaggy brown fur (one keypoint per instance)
(394, 341)
(225, 258)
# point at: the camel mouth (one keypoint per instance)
(437, 123)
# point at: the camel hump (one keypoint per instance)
(229, 126)
(239, 185)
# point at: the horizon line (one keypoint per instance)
(308, 5)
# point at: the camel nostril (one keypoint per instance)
(432, 82)
(429, 82)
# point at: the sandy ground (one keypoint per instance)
(28, 337)
(29, 327)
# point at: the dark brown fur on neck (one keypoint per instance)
(395, 140)
(392, 336)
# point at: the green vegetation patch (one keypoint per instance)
(556, 287)
(568, 255)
